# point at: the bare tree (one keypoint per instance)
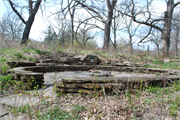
(99, 13)
(155, 37)
(176, 38)
(70, 8)
(61, 34)
(134, 12)
(83, 36)
(32, 8)
(166, 32)
(116, 26)
(175, 35)
(60, 26)
(131, 29)
(50, 36)
(2, 28)
(11, 26)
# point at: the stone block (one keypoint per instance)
(13, 64)
(91, 60)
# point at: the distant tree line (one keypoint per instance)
(121, 22)
(83, 39)
(11, 27)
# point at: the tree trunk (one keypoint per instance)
(107, 34)
(131, 47)
(165, 40)
(30, 22)
(107, 30)
(115, 35)
(84, 45)
(157, 46)
(130, 37)
(176, 50)
(72, 23)
(72, 29)
(27, 30)
(176, 41)
(63, 41)
(108, 23)
(83, 39)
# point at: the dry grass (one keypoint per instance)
(138, 105)
(143, 106)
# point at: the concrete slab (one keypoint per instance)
(3, 112)
(47, 94)
(10, 117)
(17, 100)
(20, 100)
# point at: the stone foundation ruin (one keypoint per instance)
(87, 76)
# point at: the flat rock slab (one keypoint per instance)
(48, 93)
(21, 63)
(61, 68)
(17, 100)
(10, 117)
(49, 78)
(45, 64)
(88, 84)
(3, 112)
(20, 73)
(123, 79)
(23, 71)
(20, 100)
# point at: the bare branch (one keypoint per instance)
(69, 4)
(36, 7)
(80, 25)
(145, 36)
(30, 6)
(142, 22)
(67, 7)
(176, 4)
(96, 12)
(14, 9)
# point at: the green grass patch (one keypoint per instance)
(44, 102)
(54, 114)
(159, 90)
(30, 59)
(6, 83)
(32, 50)
(176, 85)
(5, 78)
(176, 57)
(22, 109)
(4, 68)
(2, 59)
(101, 53)
(173, 103)
(174, 107)
(57, 114)
(162, 65)
(37, 51)
(137, 60)
(76, 109)
(60, 49)
(20, 56)
(148, 101)
(25, 50)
